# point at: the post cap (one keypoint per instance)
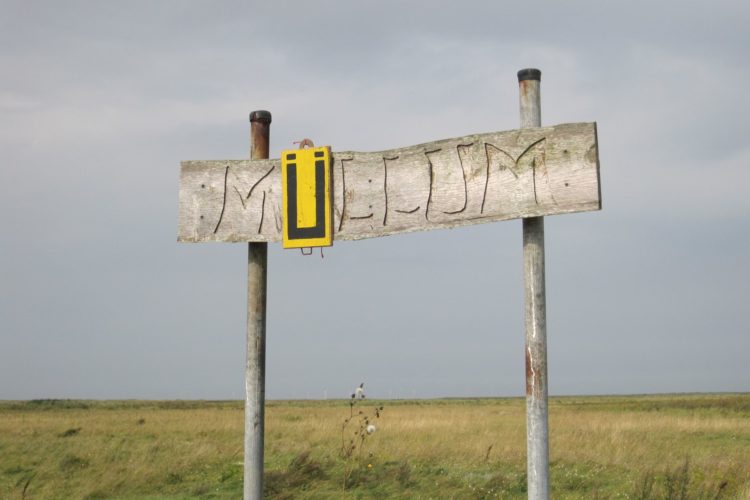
(529, 74)
(261, 115)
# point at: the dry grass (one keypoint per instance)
(629, 447)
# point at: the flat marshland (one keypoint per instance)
(667, 446)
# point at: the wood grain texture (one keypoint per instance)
(443, 184)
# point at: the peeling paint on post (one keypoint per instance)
(537, 429)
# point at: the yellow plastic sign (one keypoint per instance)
(306, 197)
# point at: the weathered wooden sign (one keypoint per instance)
(443, 184)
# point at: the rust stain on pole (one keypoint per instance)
(259, 133)
(534, 377)
(523, 88)
(529, 373)
(528, 86)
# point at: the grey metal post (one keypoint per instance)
(537, 428)
(255, 367)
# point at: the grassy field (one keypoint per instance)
(671, 446)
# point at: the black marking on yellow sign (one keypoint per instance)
(306, 197)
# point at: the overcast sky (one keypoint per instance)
(100, 101)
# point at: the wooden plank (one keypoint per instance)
(443, 184)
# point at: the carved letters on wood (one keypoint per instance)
(443, 184)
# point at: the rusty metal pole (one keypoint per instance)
(537, 420)
(255, 367)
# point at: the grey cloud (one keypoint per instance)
(100, 101)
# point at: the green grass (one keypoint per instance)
(665, 446)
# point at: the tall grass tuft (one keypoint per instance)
(678, 483)
(301, 473)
